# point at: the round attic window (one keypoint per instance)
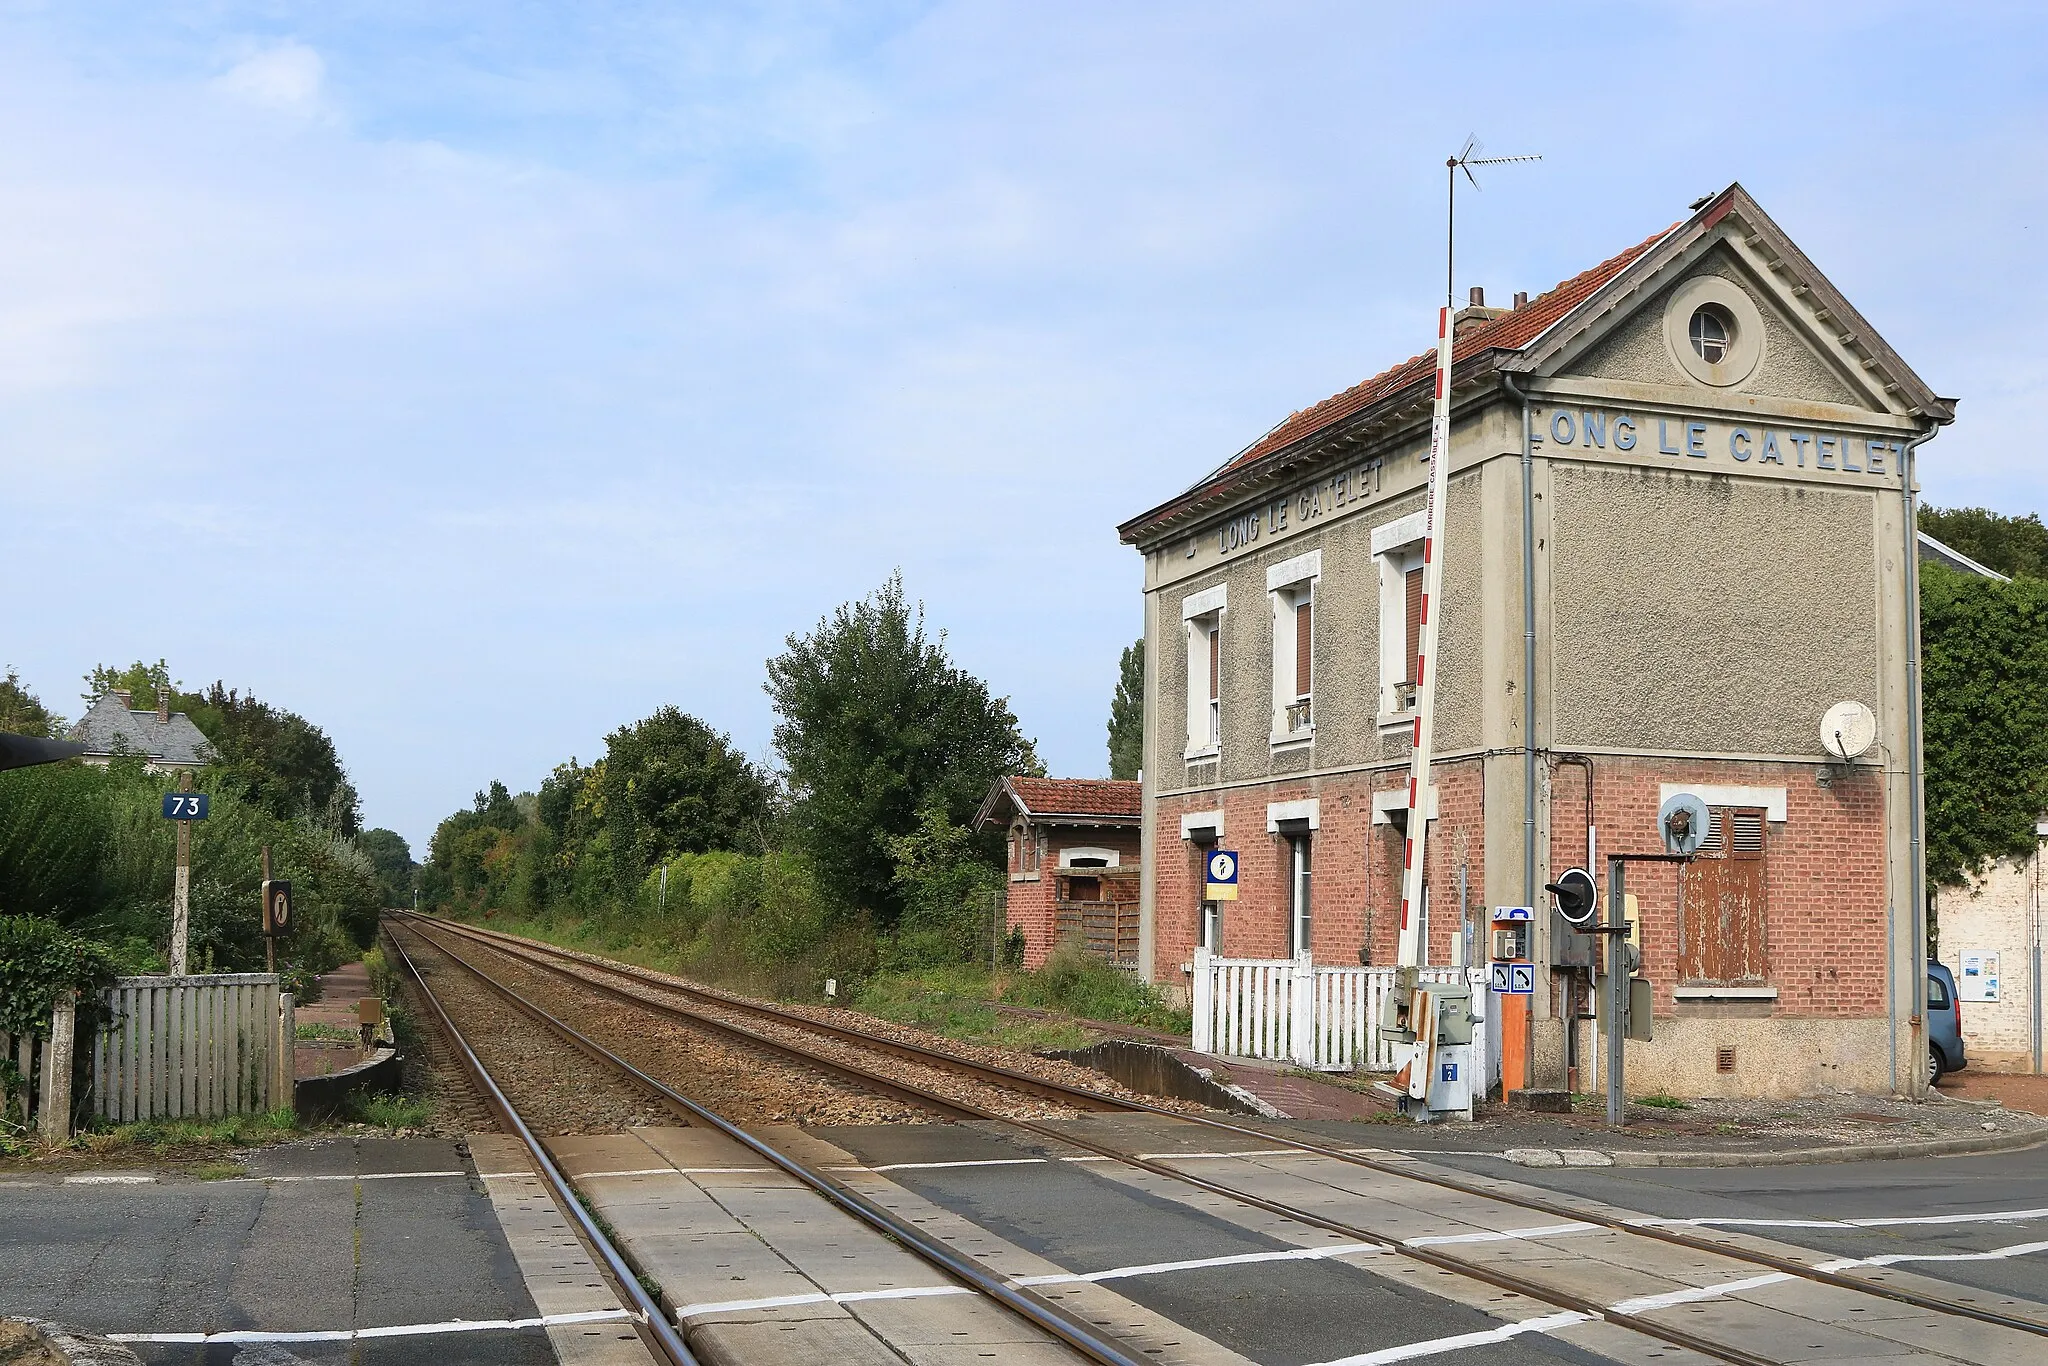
(1714, 331)
(1710, 331)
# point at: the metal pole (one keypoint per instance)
(1617, 989)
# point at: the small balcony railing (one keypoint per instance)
(1299, 716)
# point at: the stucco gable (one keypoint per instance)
(1635, 347)
(1816, 346)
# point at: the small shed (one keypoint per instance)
(1073, 858)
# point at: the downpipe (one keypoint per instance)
(1528, 645)
(1916, 868)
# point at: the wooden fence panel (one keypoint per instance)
(192, 1047)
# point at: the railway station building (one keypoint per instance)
(1072, 851)
(1678, 531)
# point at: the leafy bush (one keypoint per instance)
(1079, 983)
(38, 960)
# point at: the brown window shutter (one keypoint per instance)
(1414, 615)
(1304, 630)
(1746, 833)
(1215, 662)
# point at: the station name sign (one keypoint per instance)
(1332, 493)
(1755, 445)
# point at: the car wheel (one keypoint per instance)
(1934, 1068)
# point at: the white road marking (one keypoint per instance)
(906, 1292)
(1893, 1258)
(109, 1179)
(934, 1166)
(1506, 1235)
(402, 1330)
(1889, 1221)
(664, 1171)
(365, 1176)
(1644, 1304)
(1293, 1254)
(1549, 1323)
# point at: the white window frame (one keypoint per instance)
(1396, 549)
(1301, 863)
(1202, 613)
(1289, 585)
(1111, 858)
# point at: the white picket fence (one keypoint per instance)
(1294, 1010)
(197, 1047)
(42, 1100)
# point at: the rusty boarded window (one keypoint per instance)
(1723, 916)
(1304, 628)
(1414, 624)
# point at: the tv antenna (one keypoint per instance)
(1467, 157)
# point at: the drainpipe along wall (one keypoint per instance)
(1529, 721)
(1916, 1063)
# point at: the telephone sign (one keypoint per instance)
(1513, 979)
(1222, 875)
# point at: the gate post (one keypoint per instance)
(54, 1123)
(1203, 999)
(284, 1059)
(1301, 1026)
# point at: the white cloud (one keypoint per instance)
(288, 77)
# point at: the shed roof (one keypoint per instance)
(1086, 801)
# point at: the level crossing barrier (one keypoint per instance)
(1323, 1016)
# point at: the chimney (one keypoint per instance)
(127, 699)
(163, 706)
(1479, 296)
(1521, 298)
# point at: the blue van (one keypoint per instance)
(1944, 1024)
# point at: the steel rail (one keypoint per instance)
(1079, 1097)
(1534, 1204)
(1081, 1337)
(647, 1318)
(1499, 1279)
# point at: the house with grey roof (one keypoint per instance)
(166, 739)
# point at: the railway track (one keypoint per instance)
(776, 1031)
(660, 1335)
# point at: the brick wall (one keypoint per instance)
(1824, 872)
(1030, 905)
(1356, 869)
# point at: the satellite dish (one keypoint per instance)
(1683, 821)
(1848, 729)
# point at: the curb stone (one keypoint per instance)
(75, 1347)
(1784, 1157)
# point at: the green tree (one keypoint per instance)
(673, 785)
(143, 682)
(878, 725)
(1984, 690)
(288, 764)
(391, 857)
(2010, 545)
(1127, 714)
(22, 713)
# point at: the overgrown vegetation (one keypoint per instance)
(1984, 681)
(860, 859)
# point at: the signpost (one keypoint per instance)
(183, 807)
(1222, 875)
(277, 911)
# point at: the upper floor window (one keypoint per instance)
(1202, 613)
(1292, 586)
(1397, 549)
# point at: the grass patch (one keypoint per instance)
(334, 1033)
(1660, 1101)
(172, 1137)
(391, 1112)
(217, 1171)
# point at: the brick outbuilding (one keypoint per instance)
(1073, 846)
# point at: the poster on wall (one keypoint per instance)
(1979, 979)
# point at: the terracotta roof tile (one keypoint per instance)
(1511, 331)
(1079, 796)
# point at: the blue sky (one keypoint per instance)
(474, 378)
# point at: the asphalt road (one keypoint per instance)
(1936, 1188)
(304, 1253)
